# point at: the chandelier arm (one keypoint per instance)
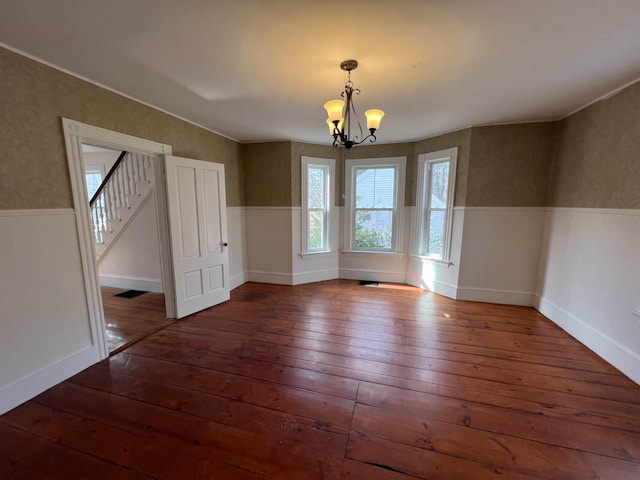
(355, 114)
(342, 136)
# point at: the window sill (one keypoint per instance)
(440, 261)
(316, 254)
(371, 252)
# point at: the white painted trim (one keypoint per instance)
(37, 212)
(262, 276)
(270, 209)
(607, 95)
(491, 295)
(238, 279)
(423, 259)
(130, 282)
(425, 160)
(372, 254)
(613, 352)
(164, 236)
(441, 288)
(75, 134)
(501, 209)
(310, 255)
(315, 276)
(372, 275)
(329, 207)
(102, 137)
(400, 165)
(595, 211)
(24, 389)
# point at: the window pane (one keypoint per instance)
(316, 187)
(439, 184)
(373, 229)
(435, 240)
(315, 237)
(93, 179)
(375, 187)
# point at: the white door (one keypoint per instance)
(198, 223)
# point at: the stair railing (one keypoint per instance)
(112, 196)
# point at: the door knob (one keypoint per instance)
(225, 244)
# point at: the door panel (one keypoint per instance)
(196, 199)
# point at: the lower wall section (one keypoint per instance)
(236, 234)
(46, 332)
(268, 244)
(588, 282)
(500, 254)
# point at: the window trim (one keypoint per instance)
(330, 164)
(399, 164)
(422, 199)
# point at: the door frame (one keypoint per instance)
(75, 134)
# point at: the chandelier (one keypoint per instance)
(340, 124)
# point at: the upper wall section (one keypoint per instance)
(33, 161)
(597, 162)
(388, 150)
(509, 165)
(267, 174)
(460, 139)
(299, 149)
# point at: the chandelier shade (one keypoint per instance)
(341, 113)
(374, 117)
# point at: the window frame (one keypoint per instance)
(351, 166)
(423, 199)
(329, 164)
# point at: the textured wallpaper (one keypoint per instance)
(298, 150)
(33, 161)
(591, 157)
(597, 162)
(460, 139)
(267, 174)
(509, 165)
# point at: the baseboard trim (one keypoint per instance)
(132, 283)
(315, 276)
(26, 388)
(371, 275)
(621, 357)
(239, 279)
(490, 295)
(441, 288)
(270, 277)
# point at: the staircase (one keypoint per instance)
(124, 190)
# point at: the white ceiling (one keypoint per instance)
(257, 70)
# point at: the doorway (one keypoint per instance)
(121, 195)
(76, 135)
(191, 225)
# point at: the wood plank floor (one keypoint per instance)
(336, 381)
(128, 320)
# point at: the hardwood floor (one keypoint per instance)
(336, 381)
(128, 320)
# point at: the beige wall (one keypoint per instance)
(267, 174)
(510, 164)
(597, 162)
(33, 161)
